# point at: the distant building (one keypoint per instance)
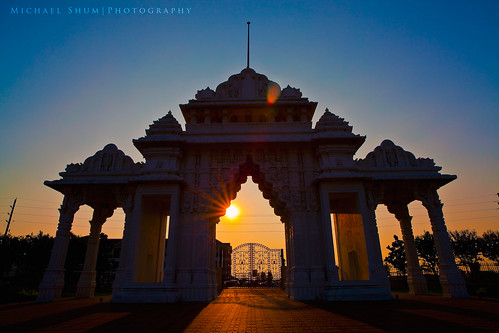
(224, 261)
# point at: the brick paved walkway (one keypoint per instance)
(256, 310)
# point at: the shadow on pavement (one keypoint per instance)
(112, 317)
(410, 315)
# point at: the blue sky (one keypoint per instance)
(424, 74)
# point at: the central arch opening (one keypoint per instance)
(256, 224)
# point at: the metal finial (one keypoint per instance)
(247, 58)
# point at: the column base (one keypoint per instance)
(355, 291)
(305, 292)
(452, 282)
(145, 293)
(198, 293)
(417, 285)
(86, 285)
(51, 286)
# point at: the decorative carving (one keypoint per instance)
(205, 94)
(126, 200)
(202, 168)
(291, 93)
(70, 205)
(246, 85)
(102, 213)
(374, 194)
(108, 160)
(399, 210)
(331, 122)
(167, 125)
(389, 156)
(431, 201)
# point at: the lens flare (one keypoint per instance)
(273, 92)
(232, 212)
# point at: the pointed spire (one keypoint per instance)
(247, 57)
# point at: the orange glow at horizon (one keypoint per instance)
(273, 93)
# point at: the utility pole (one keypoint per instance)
(10, 217)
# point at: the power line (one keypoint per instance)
(474, 197)
(117, 211)
(53, 216)
(74, 225)
(446, 222)
(243, 232)
(31, 199)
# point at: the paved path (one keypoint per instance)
(255, 310)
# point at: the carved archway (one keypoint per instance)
(190, 176)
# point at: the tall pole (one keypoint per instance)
(247, 62)
(10, 216)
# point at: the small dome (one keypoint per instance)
(205, 94)
(331, 122)
(247, 85)
(166, 125)
(291, 93)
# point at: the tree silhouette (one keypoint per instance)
(396, 256)
(466, 246)
(490, 245)
(425, 246)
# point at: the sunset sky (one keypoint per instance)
(424, 74)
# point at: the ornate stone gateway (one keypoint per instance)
(249, 127)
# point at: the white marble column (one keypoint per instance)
(452, 281)
(330, 261)
(415, 279)
(173, 238)
(124, 273)
(86, 283)
(376, 269)
(53, 279)
(202, 275)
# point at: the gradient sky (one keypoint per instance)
(424, 74)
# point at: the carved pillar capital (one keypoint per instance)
(126, 200)
(101, 214)
(374, 194)
(70, 205)
(400, 211)
(431, 201)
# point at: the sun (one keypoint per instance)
(232, 212)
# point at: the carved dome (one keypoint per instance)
(291, 93)
(331, 122)
(164, 126)
(247, 85)
(205, 94)
(108, 160)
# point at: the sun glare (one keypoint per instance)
(232, 212)
(273, 92)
